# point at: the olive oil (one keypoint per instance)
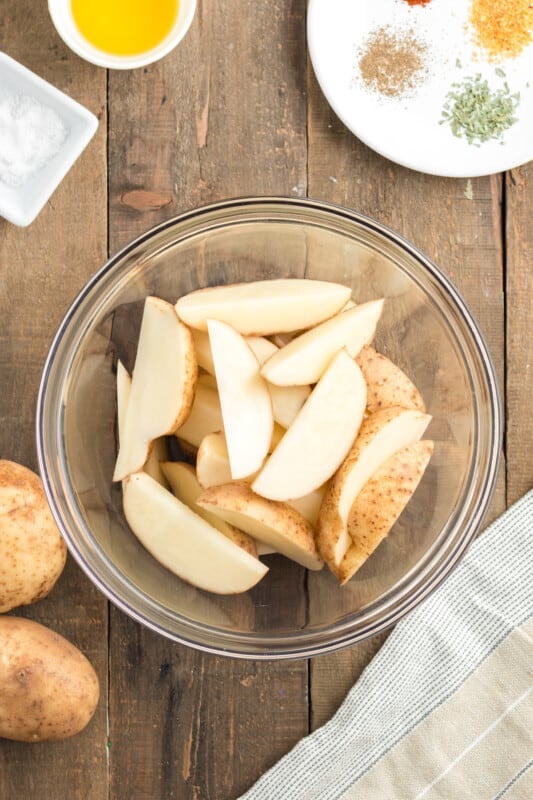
(124, 27)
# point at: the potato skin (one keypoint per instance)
(32, 551)
(48, 689)
(380, 502)
(388, 386)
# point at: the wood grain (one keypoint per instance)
(222, 116)
(42, 268)
(458, 224)
(519, 293)
(234, 110)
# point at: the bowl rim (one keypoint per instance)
(252, 645)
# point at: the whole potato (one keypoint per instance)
(48, 689)
(32, 552)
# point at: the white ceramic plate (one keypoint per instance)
(407, 130)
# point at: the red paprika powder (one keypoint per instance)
(417, 2)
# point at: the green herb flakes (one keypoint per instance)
(476, 113)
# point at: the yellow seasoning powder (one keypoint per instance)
(503, 27)
(124, 27)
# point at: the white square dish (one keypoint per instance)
(20, 204)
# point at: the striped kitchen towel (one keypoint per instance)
(444, 711)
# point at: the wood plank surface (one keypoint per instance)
(235, 110)
(519, 361)
(220, 117)
(42, 268)
(458, 224)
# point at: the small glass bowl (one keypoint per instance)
(426, 328)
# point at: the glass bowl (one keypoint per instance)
(426, 328)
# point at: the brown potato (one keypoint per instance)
(48, 689)
(32, 552)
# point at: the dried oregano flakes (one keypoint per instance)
(478, 113)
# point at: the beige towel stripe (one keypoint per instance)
(427, 751)
(487, 765)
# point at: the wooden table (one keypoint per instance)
(235, 110)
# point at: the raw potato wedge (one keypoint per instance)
(158, 450)
(305, 359)
(281, 339)
(382, 434)
(158, 454)
(244, 400)
(123, 394)
(325, 427)
(205, 416)
(309, 505)
(380, 502)
(387, 385)
(184, 484)
(185, 543)
(212, 459)
(274, 524)
(162, 387)
(206, 379)
(286, 400)
(203, 350)
(264, 307)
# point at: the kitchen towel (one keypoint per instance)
(444, 711)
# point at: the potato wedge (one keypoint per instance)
(264, 307)
(184, 484)
(206, 379)
(309, 505)
(387, 385)
(158, 448)
(185, 543)
(381, 435)
(305, 359)
(158, 454)
(205, 416)
(203, 350)
(244, 400)
(380, 502)
(326, 425)
(286, 400)
(212, 459)
(162, 387)
(274, 524)
(123, 394)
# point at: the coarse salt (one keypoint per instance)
(31, 134)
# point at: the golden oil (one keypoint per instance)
(124, 27)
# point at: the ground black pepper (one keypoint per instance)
(392, 62)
